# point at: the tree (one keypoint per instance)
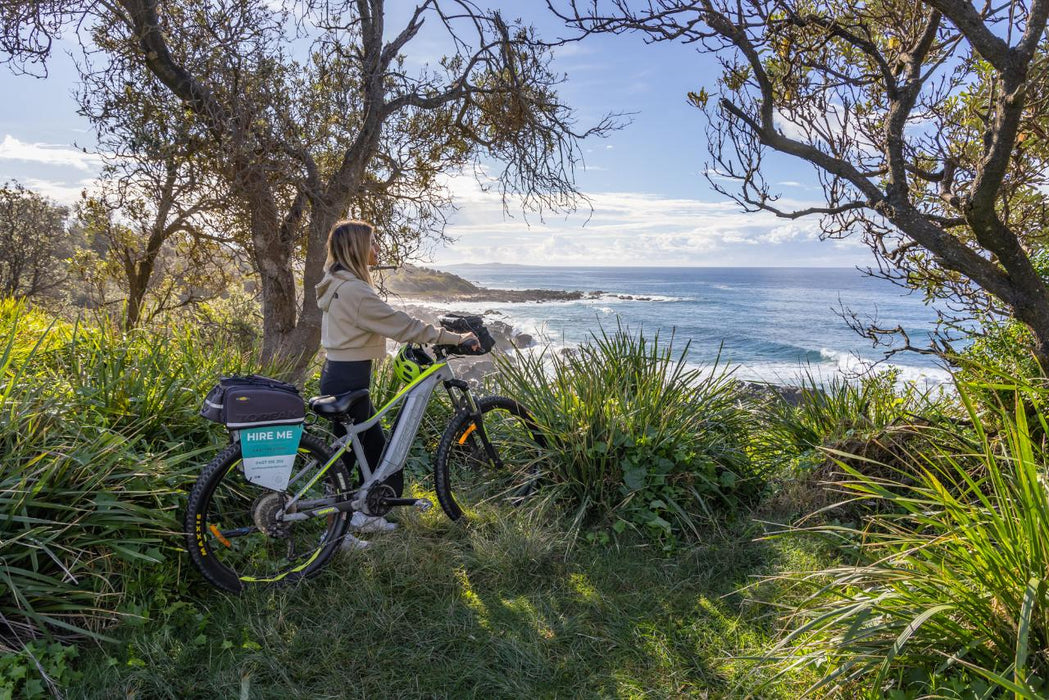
(926, 124)
(33, 242)
(157, 258)
(159, 214)
(299, 143)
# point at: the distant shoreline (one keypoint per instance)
(437, 286)
(771, 323)
(432, 285)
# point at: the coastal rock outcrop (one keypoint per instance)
(434, 285)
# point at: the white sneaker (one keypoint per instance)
(370, 523)
(351, 543)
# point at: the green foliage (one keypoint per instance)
(231, 321)
(945, 590)
(954, 575)
(145, 252)
(100, 436)
(1001, 351)
(37, 670)
(33, 241)
(637, 438)
(828, 413)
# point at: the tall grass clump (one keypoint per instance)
(637, 438)
(950, 597)
(99, 438)
(832, 412)
(875, 419)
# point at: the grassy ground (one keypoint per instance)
(504, 608)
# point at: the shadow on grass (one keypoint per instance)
(500, 609)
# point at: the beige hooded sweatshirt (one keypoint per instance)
(356, 322)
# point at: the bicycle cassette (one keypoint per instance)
(266, 513)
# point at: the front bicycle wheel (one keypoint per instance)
(495, 460)
(235, 531)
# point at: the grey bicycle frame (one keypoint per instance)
(415, 397)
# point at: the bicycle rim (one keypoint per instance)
(469, 480)
(237, 537)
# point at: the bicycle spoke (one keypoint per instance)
(238, 532)
(469, 476)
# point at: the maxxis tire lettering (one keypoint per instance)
(195, 527)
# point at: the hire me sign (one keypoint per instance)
(269, 454)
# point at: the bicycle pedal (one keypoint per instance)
(423, 504)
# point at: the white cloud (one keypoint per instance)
(573, 49)
(808, 231)
(62, 192)
(715, 174)
(47, 154)
(632, 228)
(832, 121)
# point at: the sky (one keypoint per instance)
(649, 203)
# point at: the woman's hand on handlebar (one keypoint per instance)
(470, 343)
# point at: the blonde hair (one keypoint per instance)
(349, 245)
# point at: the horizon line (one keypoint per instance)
(655, 267)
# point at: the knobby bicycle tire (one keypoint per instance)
(465, 477)
(223, 514)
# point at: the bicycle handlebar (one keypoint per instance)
(469, 348)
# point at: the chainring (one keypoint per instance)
(378, 499)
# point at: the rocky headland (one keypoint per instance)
(434, 285)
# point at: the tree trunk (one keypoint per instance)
(305, 340)
(273, 259)
(140, 273)
(136, 294)
(1034, 316)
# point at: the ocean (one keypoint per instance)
(770, 324)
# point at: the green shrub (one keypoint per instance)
(990, 366)
(100, 437)
(1002, 349)
(875, 420)
(232, 321)
(637, 438)
(827, 413)
(953, 580)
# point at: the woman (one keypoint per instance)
(354, 327)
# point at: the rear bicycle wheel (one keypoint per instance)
(234, 531)
(468, 477)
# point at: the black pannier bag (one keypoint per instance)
(459, 323)
(252, 401)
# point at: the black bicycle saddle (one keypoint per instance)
(338, 404)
